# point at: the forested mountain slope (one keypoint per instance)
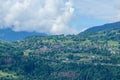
(91, 55)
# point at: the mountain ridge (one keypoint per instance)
(10, 35)
(103, 27)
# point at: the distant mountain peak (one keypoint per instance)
(10, 35)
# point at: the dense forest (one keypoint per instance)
(91, 55)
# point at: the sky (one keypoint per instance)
(57, 16)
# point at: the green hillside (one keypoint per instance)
(86, 56)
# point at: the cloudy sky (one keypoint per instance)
(57, 16)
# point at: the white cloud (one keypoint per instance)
(54, 16)
(62, 21)
(48, 16)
